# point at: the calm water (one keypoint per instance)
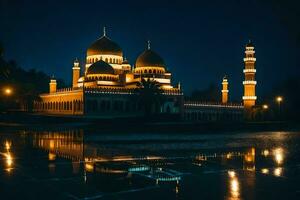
(78, 164)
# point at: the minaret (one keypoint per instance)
(52, 85)
(225, 90)
(249, 97)
(76, 73)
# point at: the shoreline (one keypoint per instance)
(29, 121)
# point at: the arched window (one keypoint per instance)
(154, 71)
(114, 60)
(106, 60)
(110, 60)
(150, 71)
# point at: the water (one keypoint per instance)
(81, 164)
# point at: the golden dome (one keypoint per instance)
(149, 58)
(100, 67)
(104, 46)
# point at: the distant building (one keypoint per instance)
(108, 84)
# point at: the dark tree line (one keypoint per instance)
(210, 94)
(26, 85)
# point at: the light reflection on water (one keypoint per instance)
(154, 159)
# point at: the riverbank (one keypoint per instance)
(172, 124)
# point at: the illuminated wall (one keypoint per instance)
(225, 90)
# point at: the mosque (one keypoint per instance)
(110, 87)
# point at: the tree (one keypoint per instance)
(211, 94)
(27, 84)
(149, 96)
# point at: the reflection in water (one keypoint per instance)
(8, 157)
(249, 160)
(265, 153)
(278, 171)
(51, 156)
(265, 170)
(7, 145)
(278, 155)
(123, 162)
(234, 186)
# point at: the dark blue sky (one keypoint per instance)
(199, 41)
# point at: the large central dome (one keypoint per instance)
(104, 46)
(149, 59)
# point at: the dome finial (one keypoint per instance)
(149, 44)
(104, 31)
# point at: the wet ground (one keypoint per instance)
(79, 164)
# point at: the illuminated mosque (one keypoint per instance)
(107, 85)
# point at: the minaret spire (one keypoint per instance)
(149, 44)
(104, 31)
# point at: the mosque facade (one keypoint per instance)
(109, 86)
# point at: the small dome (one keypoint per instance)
(125, 62)
(104, 46)
(100, 67)
(149, 58)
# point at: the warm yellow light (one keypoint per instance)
(265, 171)
(51, 144)
(277, 171)
(7, 91)
(278, 155)
(265, 106)
(279, 99)
(234, 188)
(234, 185)
(228, 156)
(231, 173)
(9, 160)
(89, 167)
(266, 152)
(7, 145)
(51, 156)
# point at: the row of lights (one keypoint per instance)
(278, 99)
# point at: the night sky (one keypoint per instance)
(199, 42)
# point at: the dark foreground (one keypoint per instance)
(93, 164)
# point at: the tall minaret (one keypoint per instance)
(225, 90)
(76, 73)
(249, 97)
(52, 85)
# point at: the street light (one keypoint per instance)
(8, 91)
(265, 106)
(279, 99)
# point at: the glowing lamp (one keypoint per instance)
(279, 99)
(7, 91)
